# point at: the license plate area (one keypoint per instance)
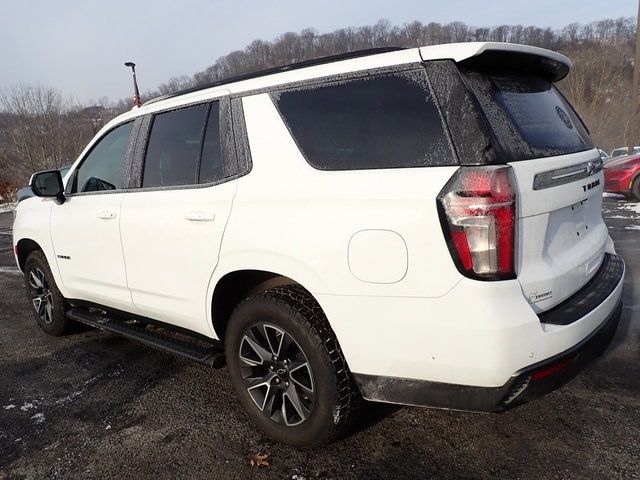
(578, 215)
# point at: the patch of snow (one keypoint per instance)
(77, 393)
(9, 407)
(7, 207)
(38, 417)
(27, 406)
(13, 270)
(634, 207)
(336, 414)
(615, 216)
(632, 227)
(69, 397)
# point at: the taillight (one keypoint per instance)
(477, 209)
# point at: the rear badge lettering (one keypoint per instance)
(538, 297)
(64, 257)
(591, 185)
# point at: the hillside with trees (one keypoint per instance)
(40, 129)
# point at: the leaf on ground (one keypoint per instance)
(259, 459)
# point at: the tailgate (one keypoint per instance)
(560, 234)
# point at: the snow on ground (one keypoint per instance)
(7, 207)
(38, 417)
(27, 406)
(12, 270)
(632, 227)
(634, 207)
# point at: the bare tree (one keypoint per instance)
(599, 87)
(39, 129)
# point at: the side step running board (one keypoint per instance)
(197, 350)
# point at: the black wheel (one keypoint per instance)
(49, 306)
(635, 189)
(287, 368)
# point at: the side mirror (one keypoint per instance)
(48, 184)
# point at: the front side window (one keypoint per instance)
(102, 168)
(384, 121)
(173, 151)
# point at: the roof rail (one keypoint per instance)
(282, 68)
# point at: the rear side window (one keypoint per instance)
(528, 115)
(385, 121)
(211, 166)
(173, 150)
(102, 168)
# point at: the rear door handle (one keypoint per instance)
(106, 215)
(200, 216)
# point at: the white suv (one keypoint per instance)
(418, 226)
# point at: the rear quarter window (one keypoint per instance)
(383, 121)
(528, 116)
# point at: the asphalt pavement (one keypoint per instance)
(95, 405)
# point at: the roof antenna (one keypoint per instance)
(136, 94)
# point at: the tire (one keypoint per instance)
(290, 319)
(48, 305)
(635, 190)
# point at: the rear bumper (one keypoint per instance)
(533, 380)
(525, 385)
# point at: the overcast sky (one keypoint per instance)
(79, 46)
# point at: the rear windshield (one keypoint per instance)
(529, 117)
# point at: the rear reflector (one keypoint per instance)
(553, 369)
(477, 209)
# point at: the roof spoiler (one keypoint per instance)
(494, 55)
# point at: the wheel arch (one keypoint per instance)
(235, 286)
(27, 242)
(24, 247)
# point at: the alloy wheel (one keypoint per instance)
(41, 296)
(277, 374)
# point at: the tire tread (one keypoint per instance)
(302, 305)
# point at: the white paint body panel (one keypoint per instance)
(462, 51)
(407, 314)
(86, 228)
(561, 234)
(171, 240)
(307, 217)
(480, 333)
(32, 219)
(378, 256)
